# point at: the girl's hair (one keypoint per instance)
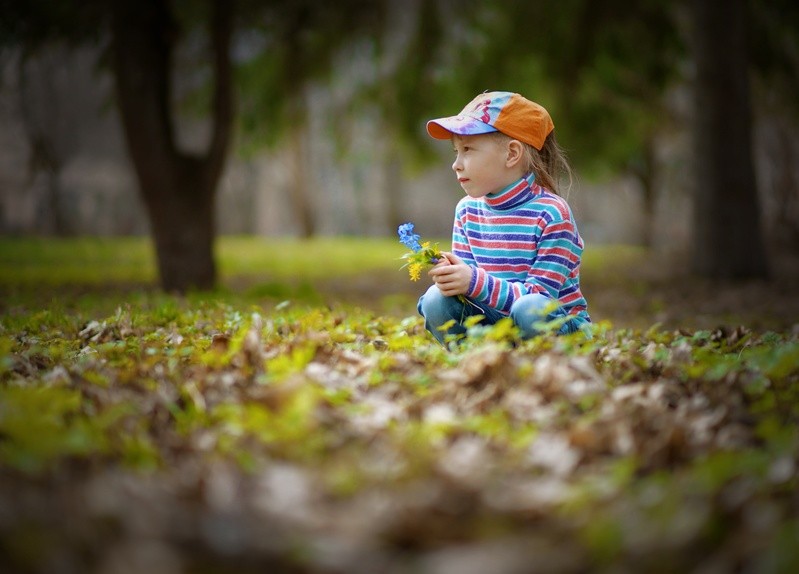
(549, 164)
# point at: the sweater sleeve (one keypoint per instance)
(460, 244)
(555, 260)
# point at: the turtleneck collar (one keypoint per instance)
(513, 195)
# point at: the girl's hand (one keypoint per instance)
(451, 275)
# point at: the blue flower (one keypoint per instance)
(408, 238)
(420, 254)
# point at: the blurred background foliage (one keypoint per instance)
(330, 100)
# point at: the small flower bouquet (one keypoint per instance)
(420, 255)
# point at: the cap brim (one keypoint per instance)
(444, 128)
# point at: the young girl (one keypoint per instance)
(515, 246)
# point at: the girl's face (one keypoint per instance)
(482, 164)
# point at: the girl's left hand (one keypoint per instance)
(453, 276)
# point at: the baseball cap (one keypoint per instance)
(506, 112)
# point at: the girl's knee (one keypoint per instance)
(437, 310)
(431, 301)
(533, 307)
(529, 310)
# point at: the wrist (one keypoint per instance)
(472, 281)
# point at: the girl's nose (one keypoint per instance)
(456, 165)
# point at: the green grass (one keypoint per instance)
(94, 260)
(312, 259)
(98, 274)
(627, 285)
(91, 260)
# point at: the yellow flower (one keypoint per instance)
(420, 255)
(415, 271)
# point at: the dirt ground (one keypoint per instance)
(658, 290)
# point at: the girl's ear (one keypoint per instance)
(515, 153)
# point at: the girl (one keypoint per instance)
(515, 246)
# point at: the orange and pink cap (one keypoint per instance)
(506, 112)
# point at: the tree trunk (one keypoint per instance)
(58, 221)
(728, 241)
(392, 167)
(300, 187)
(182, 218)
(47, 125)
(645, 172)
(786, 188)
(178, 189)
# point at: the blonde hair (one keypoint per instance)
(549, 164)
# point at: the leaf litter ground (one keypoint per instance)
(209, 434)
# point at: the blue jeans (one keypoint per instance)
(526, 311)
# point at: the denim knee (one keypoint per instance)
(438, 309)
(431, 303)
(531, 309)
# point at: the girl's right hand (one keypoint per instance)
(451, 275)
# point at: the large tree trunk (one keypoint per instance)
(178, 189)
(728, 241)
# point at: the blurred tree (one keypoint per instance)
(603, 67)
(407, 89)
(600, 67)
(294, 43)
(293, 40)
(178, 187)
(53, 108)
(774, 45)
(412, 78)
(728, 240)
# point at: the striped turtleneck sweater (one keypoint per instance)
(520, 240)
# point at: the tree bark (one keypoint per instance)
(392, 168)
(178, 189)
(300, 187)
(728, 242)
(48, 126)
(645, 171)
